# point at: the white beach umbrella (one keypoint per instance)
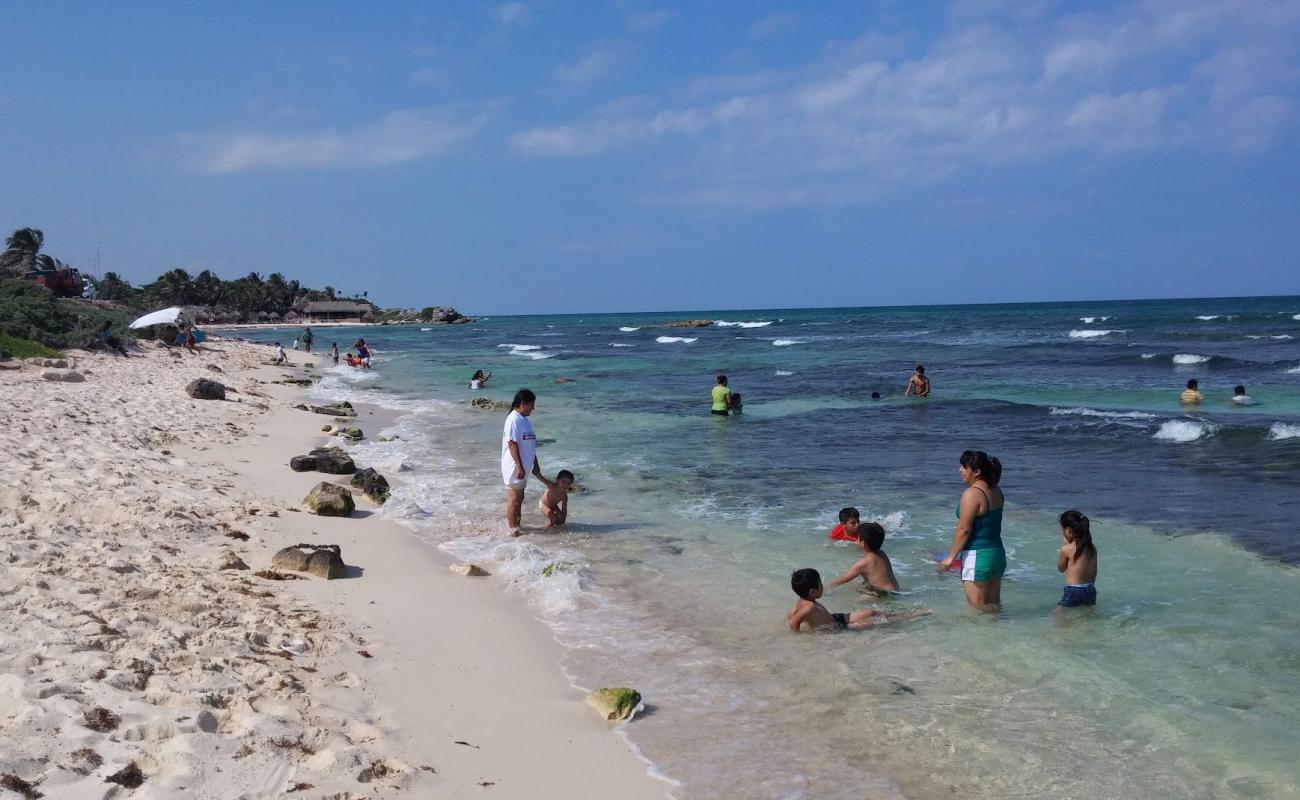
(167, 316)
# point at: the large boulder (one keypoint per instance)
(689, 323)
(322, 560)
(205, 389)
(329, 500)
(330, 460)
(64, 375)
(374, 485)
(340, 409)
(614, 704)
(488, 404)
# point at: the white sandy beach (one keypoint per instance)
(122, 640)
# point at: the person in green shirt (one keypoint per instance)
(721, 397)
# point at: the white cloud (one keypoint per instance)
(396, 137)
(513, 14)
(598, 63)
(1005, 85)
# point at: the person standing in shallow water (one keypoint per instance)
(918, 384)
(519, 456)
(977, 540)
(721, 397)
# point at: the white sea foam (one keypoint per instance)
(1184, 430)
(1295, 316)
(1190, 358)
(1091, 333)
(786, 342)
(784, 372)
(722, 323)
(522, 346)
(1092, 412)
(672, 339)
(1284, 430)
(521, 564)
(426, 329)
(1282, 336)
(1208, 317)
(620, 344)
(1149, 355)
(1087, 320)
(533, 351)
(626, 329)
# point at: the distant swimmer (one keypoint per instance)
(479, 379)
(737, 405)
(918, 384)
(1240, 397)
(721, 397)
(1191, 395)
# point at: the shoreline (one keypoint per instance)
(293, 701)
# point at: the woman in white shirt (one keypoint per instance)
(518, 456)
(479, 379)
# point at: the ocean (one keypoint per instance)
(673, 576)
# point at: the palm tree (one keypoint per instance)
(207, 288)
(20, 251)
(112, 287)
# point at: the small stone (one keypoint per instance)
(129, 776)
(228, 560)
(102, 720)
(329, 500)
(204, 389)
(614, 704)
(469, 570)
(64, 375)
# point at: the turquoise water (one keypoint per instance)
(675, 577)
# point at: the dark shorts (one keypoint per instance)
(1082, 595)
(719, 413)
(841, 621)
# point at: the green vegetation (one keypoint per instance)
(31, 313)
(23, 348)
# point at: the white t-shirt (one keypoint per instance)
(519, 431)
(476, 384)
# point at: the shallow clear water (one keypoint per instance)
(675, 576)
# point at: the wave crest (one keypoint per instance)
(1184, 430)
(672, 339)
(1190, 358)
(1284, 430)
(722, 323)
(1091, 333)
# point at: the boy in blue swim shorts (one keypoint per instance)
(1077, 558)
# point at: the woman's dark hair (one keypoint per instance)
(1078, 526)
(722, 380)
(523, 396)
(989, 468)
(478, 373)
(803, 581)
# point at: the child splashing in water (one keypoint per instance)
(1077, 558)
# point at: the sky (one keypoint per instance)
(542, 156)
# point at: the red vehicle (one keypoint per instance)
(62, 282)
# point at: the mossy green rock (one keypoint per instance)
(392, 438)
(614, 704)
(353, 434)
(329, 500)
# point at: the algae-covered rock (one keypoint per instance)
(555, 566)
(469, 570)
(488, 404)
(374, 485)
(340, 409)
(329, 500)
(614, 704)
(392, 438)
(352, 434)
(322, 560)
(204, 389)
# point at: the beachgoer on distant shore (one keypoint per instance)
(873, 567)
(107, 339)
(295, 343)
(1192, 394)
(1077, 558)
(280, 357)
(721, 397)
(479, 379)
(977, 540)
(1240, 397)
(307, 337)
(518, 456)
(334, 352)
(190, 339)
(807, 584)
(554, 502)
(918, 384)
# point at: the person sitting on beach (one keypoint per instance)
(1240, 397)
(479, 379)
(874, 567)
(1077, 558)
(721, 397)
(918, 384)
(807, 584)
(1191, 395)
(554, 502)
(847, 530)
(736, 405)
(107, 339)
(280, 357)
(334, 352)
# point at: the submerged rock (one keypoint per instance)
(352, 434)
(469, 570)
(614, 704)
(489, 404)
(689, 323)
(329, 500)
(374, 485)
(204, 389)
(322, 560)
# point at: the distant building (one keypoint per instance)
(336, 311)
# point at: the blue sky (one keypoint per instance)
(546, 156)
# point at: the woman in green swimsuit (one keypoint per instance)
(977, 541)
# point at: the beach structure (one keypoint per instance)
(337, 311)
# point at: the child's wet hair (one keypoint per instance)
(1239, 389)
(803, 581)
(872, 534)
(847, 513)
(562, 474)
(1192, 384)
(1077, 524)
